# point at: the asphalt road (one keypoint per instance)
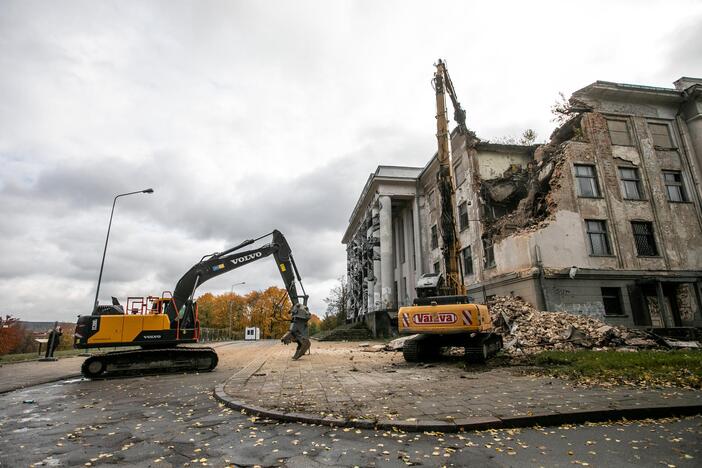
(173, 420)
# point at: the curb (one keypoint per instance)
(41, 382)
(465, 424)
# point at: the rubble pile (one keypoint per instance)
(526, 330)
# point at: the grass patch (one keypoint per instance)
(654, 368)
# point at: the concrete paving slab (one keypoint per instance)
(339, 382)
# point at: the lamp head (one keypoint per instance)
(148, 190)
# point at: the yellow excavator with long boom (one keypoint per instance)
(442, 315)
(160, 326)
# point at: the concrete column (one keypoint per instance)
(375, 294)
(370, 281)
(418, 261)
(386, 258)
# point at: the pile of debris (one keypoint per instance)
(526, 330)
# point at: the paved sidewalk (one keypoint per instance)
(14, 376)
(18, 375)
(343, 383)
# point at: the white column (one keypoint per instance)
(370, 281)
(376, 293)
(386, 248)
(418, 269)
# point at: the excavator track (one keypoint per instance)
(150, 361)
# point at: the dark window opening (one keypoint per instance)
(437, 268)
(674, 186)
(619, 132)
(597, 236)
(489, 251)
(586, 177)
(463, 216)
(467, 261)
(631, 183)
(612, 300)
(644, 239)
(434, 237)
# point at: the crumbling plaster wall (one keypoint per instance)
(562, 237)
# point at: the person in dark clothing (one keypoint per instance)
(54, 340)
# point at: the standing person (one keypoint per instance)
(54, 340)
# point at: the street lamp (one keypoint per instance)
(97, 293)
(230, 306)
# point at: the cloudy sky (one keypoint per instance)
(250, 116)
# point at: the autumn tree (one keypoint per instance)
(11, 334)
(337, 305)
(267, 310)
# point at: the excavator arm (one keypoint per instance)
(216, 264)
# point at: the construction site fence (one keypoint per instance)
(220, 334)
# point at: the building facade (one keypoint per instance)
(603, 220)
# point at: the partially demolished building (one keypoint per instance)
(603, 220)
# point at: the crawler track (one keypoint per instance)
(150, 361)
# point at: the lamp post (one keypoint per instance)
(102, 265)
(230, 307)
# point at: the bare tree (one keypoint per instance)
(337, 305)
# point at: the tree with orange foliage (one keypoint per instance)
(11, 334)
(267, 310)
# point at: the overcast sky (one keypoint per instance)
(250, 116)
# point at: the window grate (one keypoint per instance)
(644, 239)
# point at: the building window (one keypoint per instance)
(432, 201)
(631, 183)
(661, 135)
(612, 300)
(467, 261)
(644, 239)
(619, 132)
(489, 250)
(434, 237)
(463, 216)
(586, 177)
(437, 268)
(459, 173)
(597, 236)
(674, 186)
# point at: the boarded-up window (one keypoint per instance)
(661, 135)
(619, 132)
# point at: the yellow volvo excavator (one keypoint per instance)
(159, 325)
(442, 314)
